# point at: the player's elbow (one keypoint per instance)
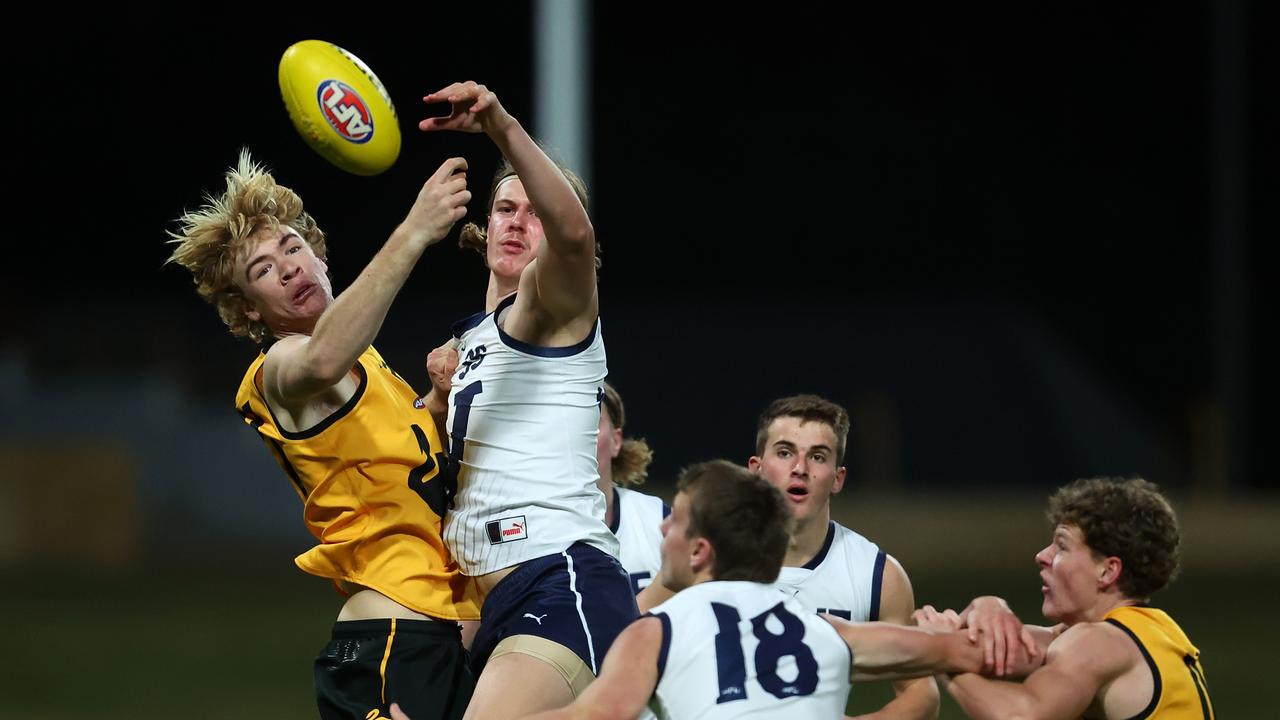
(579, 235)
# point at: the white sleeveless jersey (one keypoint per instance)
(522, 446)
(843, 579)
(638, 525)
(744, 649)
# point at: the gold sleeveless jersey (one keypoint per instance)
(373, 484)
(1180, 689)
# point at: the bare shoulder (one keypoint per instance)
(643, 632)
(1100, 646)
(1103, 658)
(897, 600)
(279, 357)
(895, 572)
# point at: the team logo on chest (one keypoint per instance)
(474, 357)
(507, 529)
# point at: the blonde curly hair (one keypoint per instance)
(476, 238)
(210, 239)
(631, 466)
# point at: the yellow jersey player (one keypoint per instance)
(360, 448)
(1115, 543)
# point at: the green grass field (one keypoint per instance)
(237, 639)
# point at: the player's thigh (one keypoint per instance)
(516, 683)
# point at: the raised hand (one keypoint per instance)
(441, 202)
(473, 108)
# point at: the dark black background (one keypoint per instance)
(776, 192)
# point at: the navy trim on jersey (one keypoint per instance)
(826, 548)
(333, 418)
(877, 579)
(666, 510)
(538, 350)
(278, 450)
(467, 323)
(617, 512)
(1156, 688)
(1198, 681)
(666, 642)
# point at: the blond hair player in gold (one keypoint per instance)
(360, 448)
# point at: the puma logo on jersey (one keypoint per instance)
(474, 357)
(537, 618)
(506, 529)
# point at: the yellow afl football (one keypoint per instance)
(339, 107)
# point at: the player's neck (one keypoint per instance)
(1108, 602)
(807, 541)
(499, 289)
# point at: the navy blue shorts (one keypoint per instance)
(580, 598)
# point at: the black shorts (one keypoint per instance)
(370, 664)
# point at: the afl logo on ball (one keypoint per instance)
(346, 111)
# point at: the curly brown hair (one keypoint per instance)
(809, 408)
(745, 518)
(1126, 518)
(476, 238)
(211, 238)
(631, 466)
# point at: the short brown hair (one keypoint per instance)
(211, 238)
(746, 519)
(475, 237)
(809, 408)
(631, 466)
(1127, 518)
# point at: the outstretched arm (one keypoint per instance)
(989, 621)
(884, 651)
(301, 366)
(565, 275)
(1082, 661)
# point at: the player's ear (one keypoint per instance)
(753, 463)
(838, 485)
(616, 444)
(1109, 571)
(703, 556)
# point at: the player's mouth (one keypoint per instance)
(305, 291)
(797, 492)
